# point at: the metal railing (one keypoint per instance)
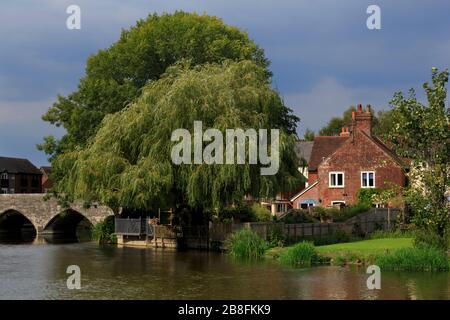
(128, 227)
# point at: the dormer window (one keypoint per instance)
(336, 179)
(368, 179)
(4, 176)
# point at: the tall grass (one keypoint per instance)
(103, 232)
(246, 244)
(424, 258)
(301, 254)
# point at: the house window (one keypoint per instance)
(336, 179)
(368, 179)
(3, 191)
(4, 176)
(339, 203)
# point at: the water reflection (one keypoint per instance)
(39, 272)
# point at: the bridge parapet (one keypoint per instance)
(40, 212)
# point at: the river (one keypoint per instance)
(38, 271)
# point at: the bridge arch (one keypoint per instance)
(69, 224)
(16, 226)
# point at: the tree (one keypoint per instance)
(334, 126)
(422, 134)
(128, 162)
(115, 76)
(309, 135)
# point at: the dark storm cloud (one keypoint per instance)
(323, 56)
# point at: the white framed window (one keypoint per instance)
(336, 179)
(368, 179)
(4, 176)
(3, 191)
(338, 203)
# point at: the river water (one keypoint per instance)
(38, 271)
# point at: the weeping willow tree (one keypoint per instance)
(128, 162)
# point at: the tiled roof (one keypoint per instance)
(303, 150)
(322, 148)
(15, 165)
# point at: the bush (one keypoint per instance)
(246, 244)
(261, 213)
(380, 234)
(301, 254)
(414, 259)
(241, 212)
(298, 216)
(365, 196)
(430, 239)
(276, 237)
(103, 232)
(349, 212)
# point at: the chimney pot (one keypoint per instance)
(359, 107)
(368, 108)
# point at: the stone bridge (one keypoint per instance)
(46, 216)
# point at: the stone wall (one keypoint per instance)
(40, 212)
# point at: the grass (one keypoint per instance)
(358, 252)
(300, 254)
(246, 244)
(367, 247)
(414, 259)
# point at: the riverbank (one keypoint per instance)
(388, 253)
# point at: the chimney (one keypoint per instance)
(345, 132)
(362, 120)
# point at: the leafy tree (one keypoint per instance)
(334, 126)
(115, 76)
(128, 162)
(309, 135)
(422, 133)
(381, 123)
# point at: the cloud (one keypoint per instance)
(329, 98)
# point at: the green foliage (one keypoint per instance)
(431, 239)
(103, 232)
(309, 135)
(414, 259)
(381, 234)
(341, 215)
(366, 196)
(246, 244)
(337, 236)
(298, 216)
(302, 254)
(421, 133)
(114, 76)
(128, 162)
(241, 212)
(261, 213)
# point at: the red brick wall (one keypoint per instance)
(359, 154)
(310, 194)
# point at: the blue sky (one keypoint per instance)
(323, 56)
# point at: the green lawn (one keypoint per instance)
(366, 247)
(357, 249)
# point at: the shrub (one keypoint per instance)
(430, 239)
(103, 232)
(414, 259)
(261, 213)
(276, 237)
(301, 254)
(241, 212)
(365, 196)
(349, 212)
(246, 244)
(298, 216)
(380, 234)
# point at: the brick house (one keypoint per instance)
(47, 183)
(338, 166)
(19, 176)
